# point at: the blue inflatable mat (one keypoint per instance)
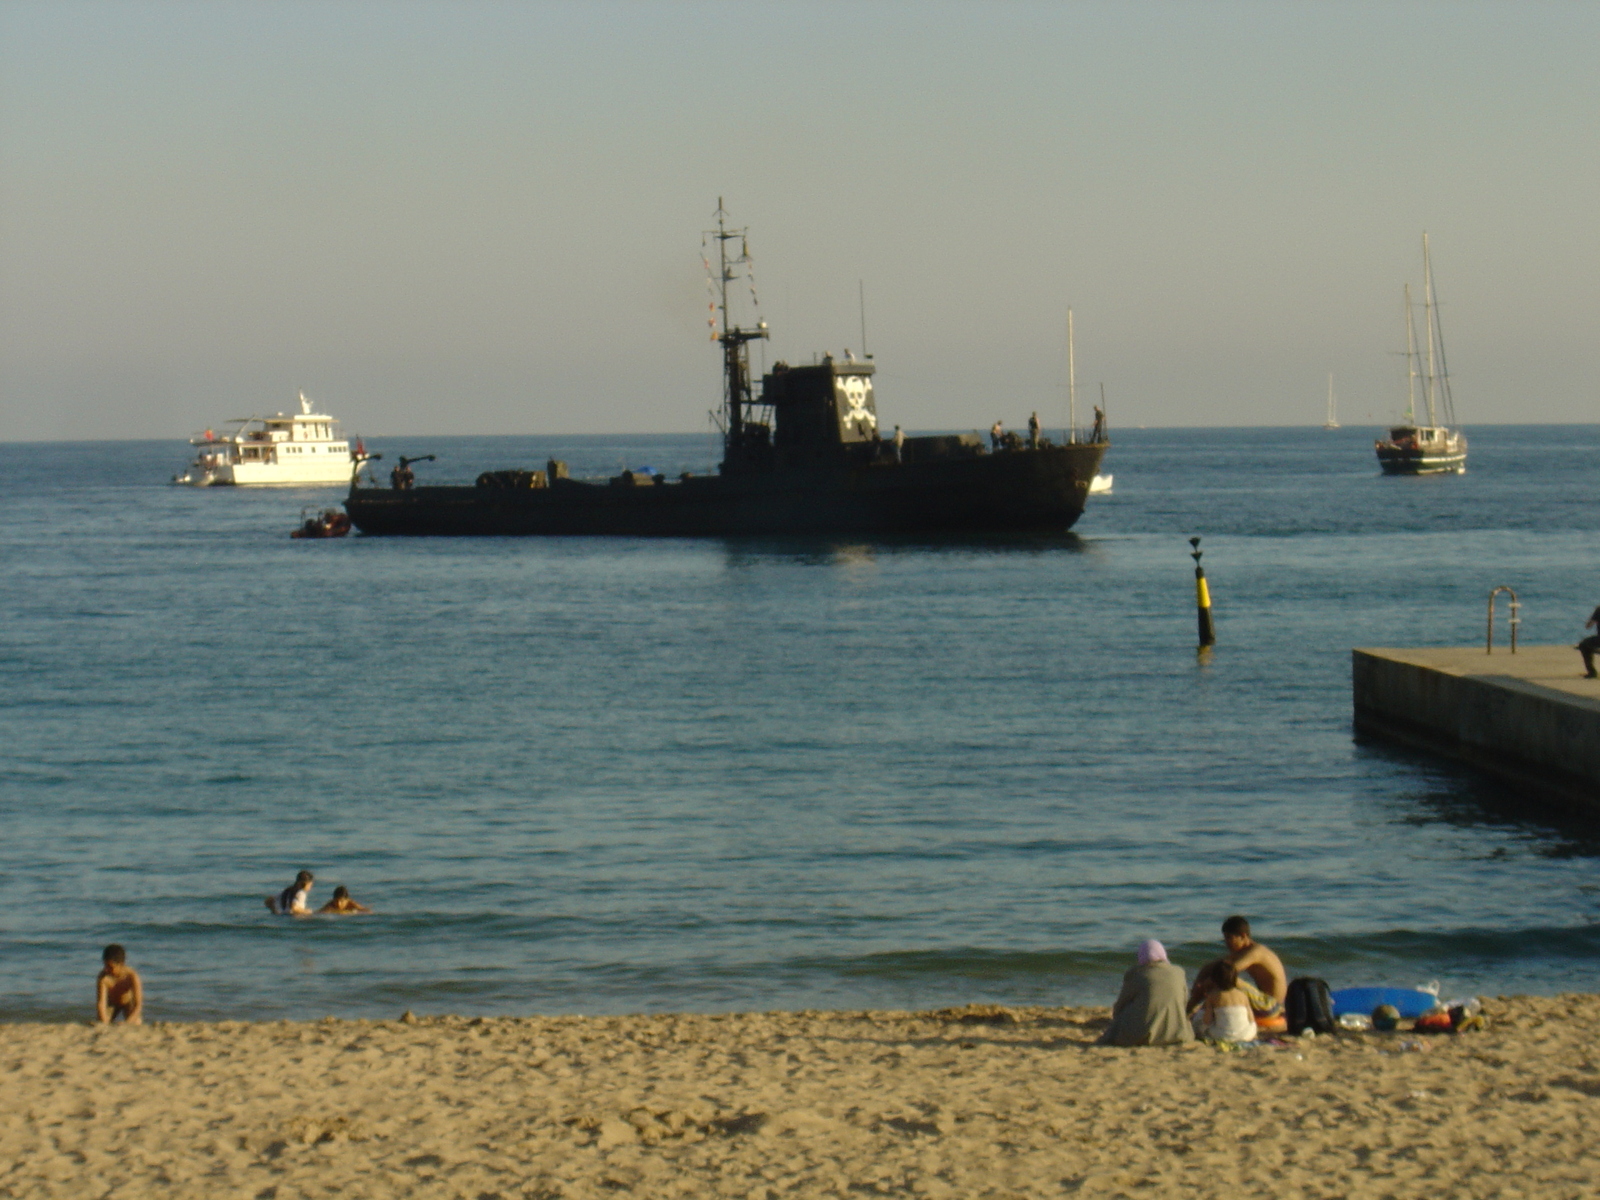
(1363, 1000)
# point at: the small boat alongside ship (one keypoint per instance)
(330, 523)
(1436, 448)
(300, 449)
(803, 453)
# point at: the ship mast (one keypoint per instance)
(736, 394)
(1447, 400)
(1427, 312)
(1411, 361)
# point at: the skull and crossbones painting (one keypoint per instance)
(856, 418)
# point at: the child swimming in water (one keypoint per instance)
(118, 991)
(341, 904)
(293, 901)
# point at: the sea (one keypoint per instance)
(613, 775)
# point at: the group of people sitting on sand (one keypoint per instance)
(1236, 998)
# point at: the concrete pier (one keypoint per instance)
(1529, 718)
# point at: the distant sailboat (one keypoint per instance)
(1435, 448)
(1333, 411)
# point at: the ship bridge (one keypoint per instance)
(819, 408)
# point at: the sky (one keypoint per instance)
(480, 218)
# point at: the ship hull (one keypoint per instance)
(1023, 490)
(1396, 461)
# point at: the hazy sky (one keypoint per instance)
(486, 217)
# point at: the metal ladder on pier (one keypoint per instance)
(1515, 620)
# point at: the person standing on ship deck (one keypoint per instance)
(899, 444)
(1033, 432)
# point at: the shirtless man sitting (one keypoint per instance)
(1254, 962)
(118, 991)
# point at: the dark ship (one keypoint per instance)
(803, 455)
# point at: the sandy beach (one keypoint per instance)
(963, 1103)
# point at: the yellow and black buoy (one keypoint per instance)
(1202, 598)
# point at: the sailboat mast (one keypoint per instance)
(1072, 385)
(1427, 306)
(1333, 413)
(1411, 361)
(1448, 401)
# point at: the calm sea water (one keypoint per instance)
(618, 775)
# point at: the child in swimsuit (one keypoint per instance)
(118, 991)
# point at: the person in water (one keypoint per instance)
(1226, 1015)
(1260, 975)
(1590, 644)
(294, 900)
(118, 990)
(1149, 1009)
(342, 904)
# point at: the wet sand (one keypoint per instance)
(980, 1102)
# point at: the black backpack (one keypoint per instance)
(1309, 1005)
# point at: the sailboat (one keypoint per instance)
(1333, 412)
(1437, 447)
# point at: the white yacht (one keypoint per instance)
(302, 448)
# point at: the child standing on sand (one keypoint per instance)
(1225, 1016)
(118, 992)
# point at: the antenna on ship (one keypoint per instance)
(1072, 385)
(736, 393)
(861, 295)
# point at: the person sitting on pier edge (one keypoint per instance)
(1260, 976)
(996, 433)
(1033, 432)
(1590, 644)
(1149, 1009)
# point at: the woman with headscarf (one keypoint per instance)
(1150, 1009)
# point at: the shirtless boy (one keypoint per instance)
(118, 992)
(1248, 957)
(342, 904)
(1254, 959)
